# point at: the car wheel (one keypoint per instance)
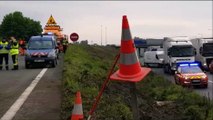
(205, 86)
(176, 81)
(54, 63)
(165, 69)
(145, 64)
(159, 65)
(27, 66)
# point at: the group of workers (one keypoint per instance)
(9, 47)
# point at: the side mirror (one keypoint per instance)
(169, 53)
(156, 56)
(195, 52)
(201, 50)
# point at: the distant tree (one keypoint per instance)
(15, 24)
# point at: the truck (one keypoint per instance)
(153, 56)
(177, 50)
(204, 49)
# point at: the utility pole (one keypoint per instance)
(101, 35)
(106, 35)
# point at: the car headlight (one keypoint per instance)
(204, 64)
(204, 76)
(186, 77)
(51, 54)
(27, 54)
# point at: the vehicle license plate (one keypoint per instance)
(196, 81)
(38, 60)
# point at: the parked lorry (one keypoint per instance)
(204, 48)
(177, 50)
(153, 56)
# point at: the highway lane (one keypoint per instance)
(208, 92)
(43, 102)
(13, 83)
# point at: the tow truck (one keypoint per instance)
(190, 74)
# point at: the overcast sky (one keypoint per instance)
(147, 19)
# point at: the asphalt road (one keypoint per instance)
(43, 103)
(208, 92)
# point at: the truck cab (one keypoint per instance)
(204, 48)
(177, 50)
(41, 50)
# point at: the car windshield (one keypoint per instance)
(181, 51)
(191, 69)
(40, 44)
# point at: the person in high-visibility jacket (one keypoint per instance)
(14, 51)
(4, 53)
(65, 44)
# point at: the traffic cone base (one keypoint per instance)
(130, 78)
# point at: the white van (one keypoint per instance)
(154, 57)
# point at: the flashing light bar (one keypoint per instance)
(194, 64)
(50, 33)
(184, 65)
(188, 64)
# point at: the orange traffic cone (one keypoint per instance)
(77, 113)
(130, 68)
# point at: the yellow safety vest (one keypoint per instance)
(14, 49)
(64, 42)
(4, 45)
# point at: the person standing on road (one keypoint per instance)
(14, 53)
(65, 44)
(22, 46)
(4, 53)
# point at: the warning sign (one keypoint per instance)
(51, 20)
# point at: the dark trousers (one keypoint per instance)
(15, 61)
(64, 48)
(4, 56)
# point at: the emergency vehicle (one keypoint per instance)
(190, 74)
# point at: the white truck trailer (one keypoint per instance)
(177, 50)
(204, 48)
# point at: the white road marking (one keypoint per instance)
(20, 101)
(210, 81)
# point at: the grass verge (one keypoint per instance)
(85, 69)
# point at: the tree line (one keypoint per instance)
(16, 25)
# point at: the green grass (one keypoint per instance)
(86, 68)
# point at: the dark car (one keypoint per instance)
(41, 50)
(190, 75)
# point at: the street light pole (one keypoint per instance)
(106, 35)
(101, 35)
